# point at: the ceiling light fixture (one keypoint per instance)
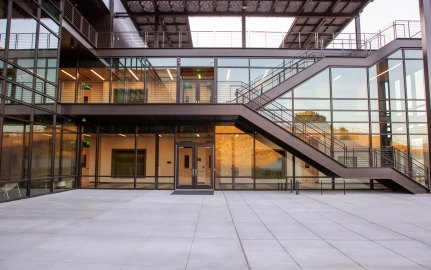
(170, 75)
(228, 75)
(384, 72)
(68, 74)
(134, 75)
(97, 74)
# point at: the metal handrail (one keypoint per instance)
(74, 17)
(331, 181)
(298, 63)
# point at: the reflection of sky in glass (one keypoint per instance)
(349, 83)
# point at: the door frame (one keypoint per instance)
(197, 90)
(193, 161)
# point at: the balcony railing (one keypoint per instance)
(73, 16)
(27, 41)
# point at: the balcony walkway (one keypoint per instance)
(132, 229)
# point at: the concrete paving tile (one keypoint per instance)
(414, 250)
(215, 229)
(290, 231)
(253, 231)
(373, 256)
(26, 265)
(14, 243)
(162, 253)
(317, 254)
(55, 249)
(87, 266)
(114, 250)
(267, 254)
(216, 254)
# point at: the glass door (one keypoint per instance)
(197, 91)
(195, 166)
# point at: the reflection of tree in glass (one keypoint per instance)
(310, 116)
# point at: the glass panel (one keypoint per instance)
(205, 91)
(68, 153)
(418, 128)
(189, 91)
(227, 129)
(303, 169)
(373, 83)
(166, 156)
(64, 183)
(117, 160)
(315, 104)
(342, 86)
(416, 105)
(23, 30)
(396, 79)
(270, 163)
(14, 150)
(185, 166)
(397, 54)
(229, 82)
(350, 116)
(343, 104)
(88, 159)
(232, 62)
(263, 62)
(12, 190)
(162, 62)
(197, 62)
(415, 79)
(40, 187)
(234, 155)
(316, 87)
(41, 147)
(3, 24)
(147, 143)
(204, 168)
(413, 54)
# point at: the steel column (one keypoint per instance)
(425, 15)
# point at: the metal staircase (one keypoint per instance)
(350, 158)
(254, 97)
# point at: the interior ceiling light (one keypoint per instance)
(336, 78)
(133, 74)
(228, 75)
(170, 75)
(68, 74)
(97, 74)
(384, 72)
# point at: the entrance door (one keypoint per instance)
(197, 91)
(195, 163)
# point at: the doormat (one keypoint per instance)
(192, 192)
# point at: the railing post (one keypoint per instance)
(321, 187)
(297, 187)
(344, 184)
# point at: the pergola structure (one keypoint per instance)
(325, 17)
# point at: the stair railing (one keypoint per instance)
(326, 142)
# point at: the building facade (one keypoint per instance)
(120, 95)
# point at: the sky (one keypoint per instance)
(376, 16)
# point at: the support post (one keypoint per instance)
(358, 32)
(425, 16)
(243, 31)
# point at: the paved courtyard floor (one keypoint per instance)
(119, 229)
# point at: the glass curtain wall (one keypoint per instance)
(120, 158)
(120, 80)
(38, 148)
(384, 108)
